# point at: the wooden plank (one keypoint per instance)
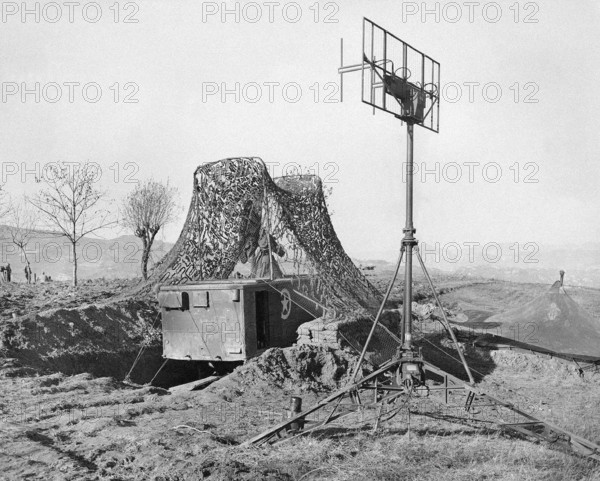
(192, 386)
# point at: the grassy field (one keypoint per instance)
(80, 426)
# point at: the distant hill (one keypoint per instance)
(377, 267)
(517, 262)
(50, 253)
(120, 257)
(583, 277)
(373, 264)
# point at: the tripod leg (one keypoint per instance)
(376, 321)
(328, 418)
(445, 323)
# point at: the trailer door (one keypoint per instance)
(262, 320)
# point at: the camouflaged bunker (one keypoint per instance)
(257, 257)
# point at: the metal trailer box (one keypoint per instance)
(232, 319)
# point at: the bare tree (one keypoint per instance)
(147, 209)
(23, 226)
(71, 203)
(4, 204)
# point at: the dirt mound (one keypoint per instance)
(533, 364)
(56, 338)
(102, 339)
(18, 299)
(317, 369)
(293, 369)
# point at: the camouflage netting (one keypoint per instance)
(243, 223)
(552, 323)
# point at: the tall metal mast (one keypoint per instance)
(415, 102)
(408, 241)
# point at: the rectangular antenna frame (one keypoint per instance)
(399, 79)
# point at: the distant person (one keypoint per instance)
(2, 274)
(8, 271)
(28, 273)
(43, 277)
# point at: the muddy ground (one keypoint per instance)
(65, 412)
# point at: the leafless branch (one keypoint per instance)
(147, 209)
(23, 225)
(70, 202)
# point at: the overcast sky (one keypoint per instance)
(162, 69)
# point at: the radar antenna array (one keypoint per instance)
(401, 80)
(396, 78)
